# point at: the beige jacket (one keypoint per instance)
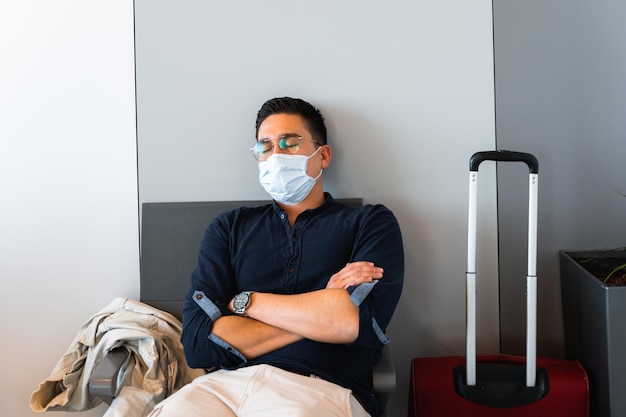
(153, 338)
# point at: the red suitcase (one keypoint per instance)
(499, 385)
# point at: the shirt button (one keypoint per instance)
(282, 216)
(291, 269)
(294, 239)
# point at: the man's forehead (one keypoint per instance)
(278, 125)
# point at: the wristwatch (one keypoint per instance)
(241, 302)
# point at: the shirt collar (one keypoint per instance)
(329, 201)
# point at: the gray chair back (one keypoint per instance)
(171, 234)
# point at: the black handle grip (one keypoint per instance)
(504, 156)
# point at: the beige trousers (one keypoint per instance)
(260, 391)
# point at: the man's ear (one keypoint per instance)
(327, 155)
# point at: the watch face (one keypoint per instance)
(241, 302)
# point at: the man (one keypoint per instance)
(289, 302)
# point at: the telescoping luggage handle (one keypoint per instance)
(531, 278)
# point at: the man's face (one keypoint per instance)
(277, 126)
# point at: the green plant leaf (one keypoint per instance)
(622, 266)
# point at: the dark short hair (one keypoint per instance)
(286, 105)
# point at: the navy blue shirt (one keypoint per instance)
(256, 249)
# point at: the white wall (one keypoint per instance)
(68, 184)
(407, 88)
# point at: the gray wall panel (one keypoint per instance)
(407, 89)
(560, 94)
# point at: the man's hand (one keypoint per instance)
(355, 273)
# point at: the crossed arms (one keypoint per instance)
(276, 320)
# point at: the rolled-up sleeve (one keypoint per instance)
(206, 301)
(379, 240)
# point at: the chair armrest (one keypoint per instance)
(384, 378)
(384, 374)
(111, 374)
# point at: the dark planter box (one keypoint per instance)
(594, 319)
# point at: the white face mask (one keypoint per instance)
(284, 177)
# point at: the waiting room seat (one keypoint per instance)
(171, 234)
